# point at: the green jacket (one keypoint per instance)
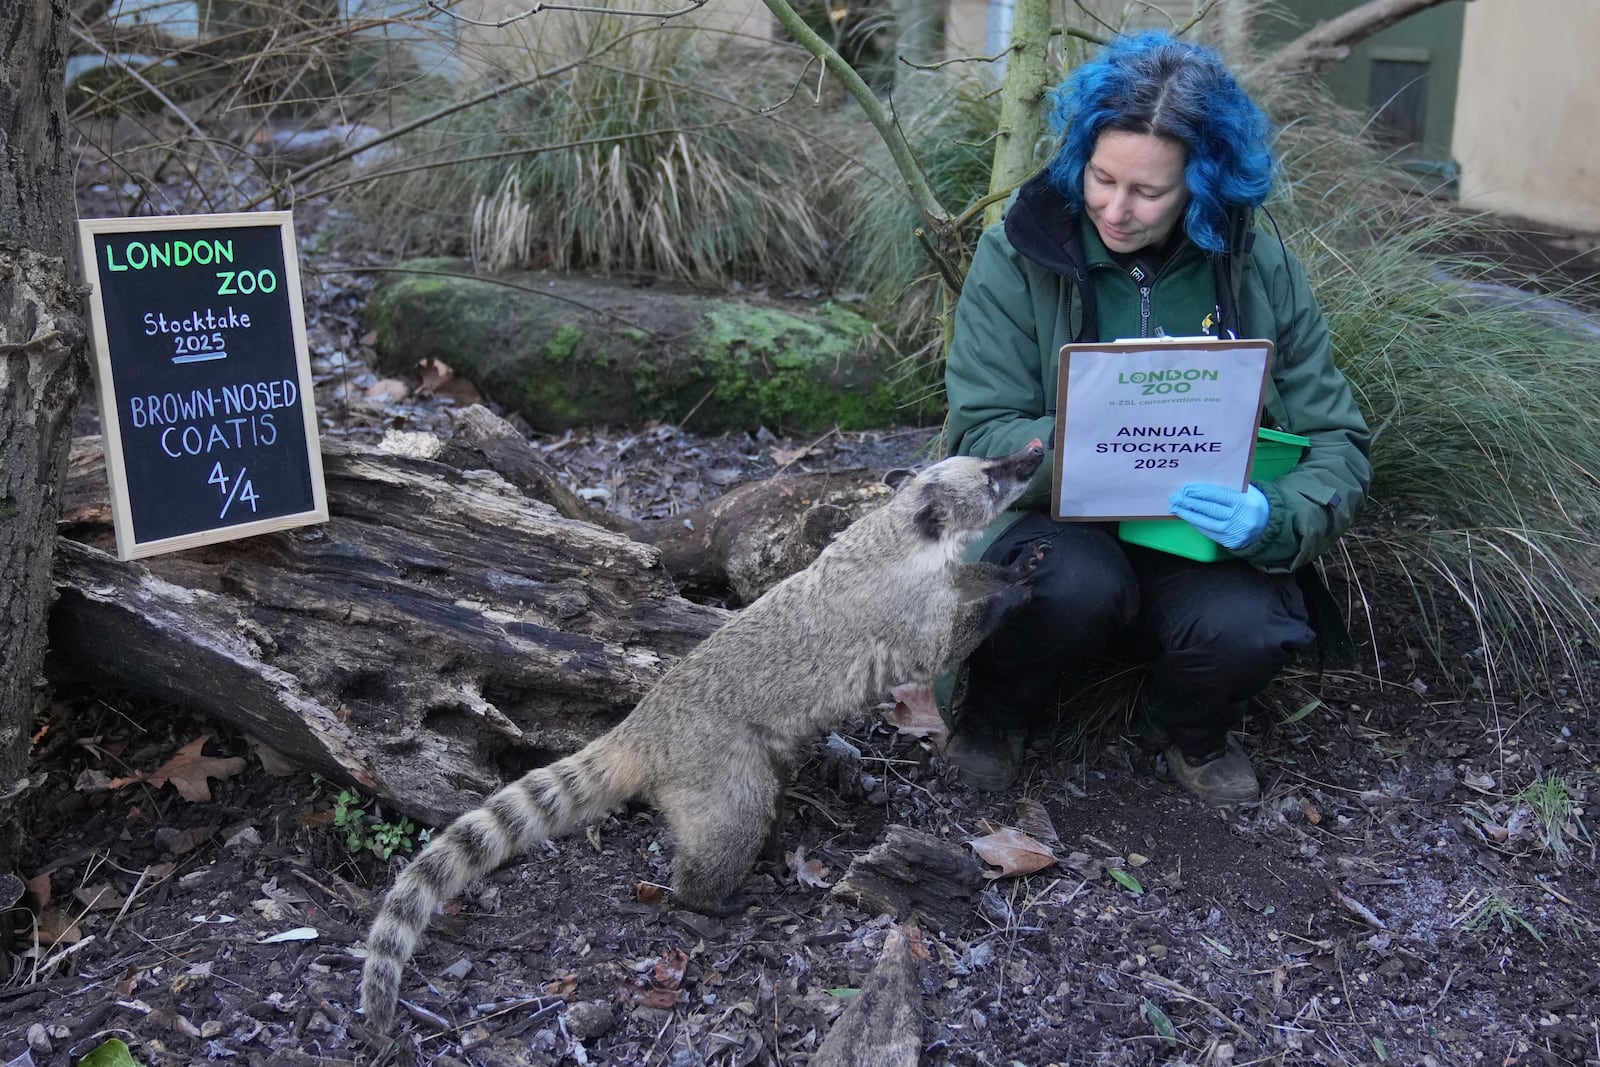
(1042, 278)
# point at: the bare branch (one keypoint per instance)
(149, 87)
(1330, 41)
(404, 128)
(939, 230)
(694, 5)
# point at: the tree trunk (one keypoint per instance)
(439, 635)
(1022, 124)
(42, 345)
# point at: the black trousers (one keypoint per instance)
(1214, 634)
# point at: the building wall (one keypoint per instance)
(1527, 134)
(1430, 38)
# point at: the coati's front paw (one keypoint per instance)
(1023, 567)
(732, 904)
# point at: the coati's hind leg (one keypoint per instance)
(719, 836)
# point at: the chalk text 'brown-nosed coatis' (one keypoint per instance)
(889, 601)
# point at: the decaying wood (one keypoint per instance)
(439, 635)
(759, 533)
(882, 1024)
(485, 440)
(910, 874)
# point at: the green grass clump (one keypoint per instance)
(656, 155)
(1552, 800)
(1478, 529)
(950, 123)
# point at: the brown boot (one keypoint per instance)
(986, 754)
(1223, 779)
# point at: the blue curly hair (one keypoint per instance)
(1154, 83)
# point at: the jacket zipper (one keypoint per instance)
(1144, 296)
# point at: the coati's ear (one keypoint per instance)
(898, 477)
(929, 520)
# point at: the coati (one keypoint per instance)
(889, 601)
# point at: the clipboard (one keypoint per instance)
(1137, 419)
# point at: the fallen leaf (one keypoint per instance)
(563, 986)
(661, 988)
(915, 942)
(299, 933)
(387, 391)
(92, 780)
(648, 893)
(56, 927)
(188, 770)
(175, 1022)
(1013, 851)
(1126, 880)
(785, 457)
(663, 999)
(38, 892)
(111, 1053)
(1034, 820)
(670, 968)
(99, 897)
(809, 873)
(439, 379)
(916, 713)
(178, 842)
(1313, 816)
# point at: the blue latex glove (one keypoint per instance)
(1230, 518)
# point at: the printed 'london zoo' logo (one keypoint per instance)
(1158, 382)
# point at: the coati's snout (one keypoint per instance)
(959, 496)
(1018, 467)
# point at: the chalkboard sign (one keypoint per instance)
(204, 378)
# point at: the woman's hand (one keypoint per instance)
(1230, 518)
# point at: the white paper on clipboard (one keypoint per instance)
(1138, 419)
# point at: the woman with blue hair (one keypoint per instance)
(1142, 226)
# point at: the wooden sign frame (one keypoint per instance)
(1219, 419)
(230, 481)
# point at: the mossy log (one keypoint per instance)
(566, 350)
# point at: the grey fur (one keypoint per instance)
(889, 601)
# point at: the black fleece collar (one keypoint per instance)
(1042, 228)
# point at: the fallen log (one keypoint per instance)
(759, 533)
(914, 876)
(439, 635)
(882, 1024)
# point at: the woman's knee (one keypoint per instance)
(1084, 592)
(1240, 640)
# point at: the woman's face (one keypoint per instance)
(1133, 188)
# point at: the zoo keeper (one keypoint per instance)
(1142, 225)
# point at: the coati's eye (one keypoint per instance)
(994, 485)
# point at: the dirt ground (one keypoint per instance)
(1417, 887)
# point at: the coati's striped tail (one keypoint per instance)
(541, 804)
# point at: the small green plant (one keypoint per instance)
(1495, 910)
(366, 832)
(1550, 798)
